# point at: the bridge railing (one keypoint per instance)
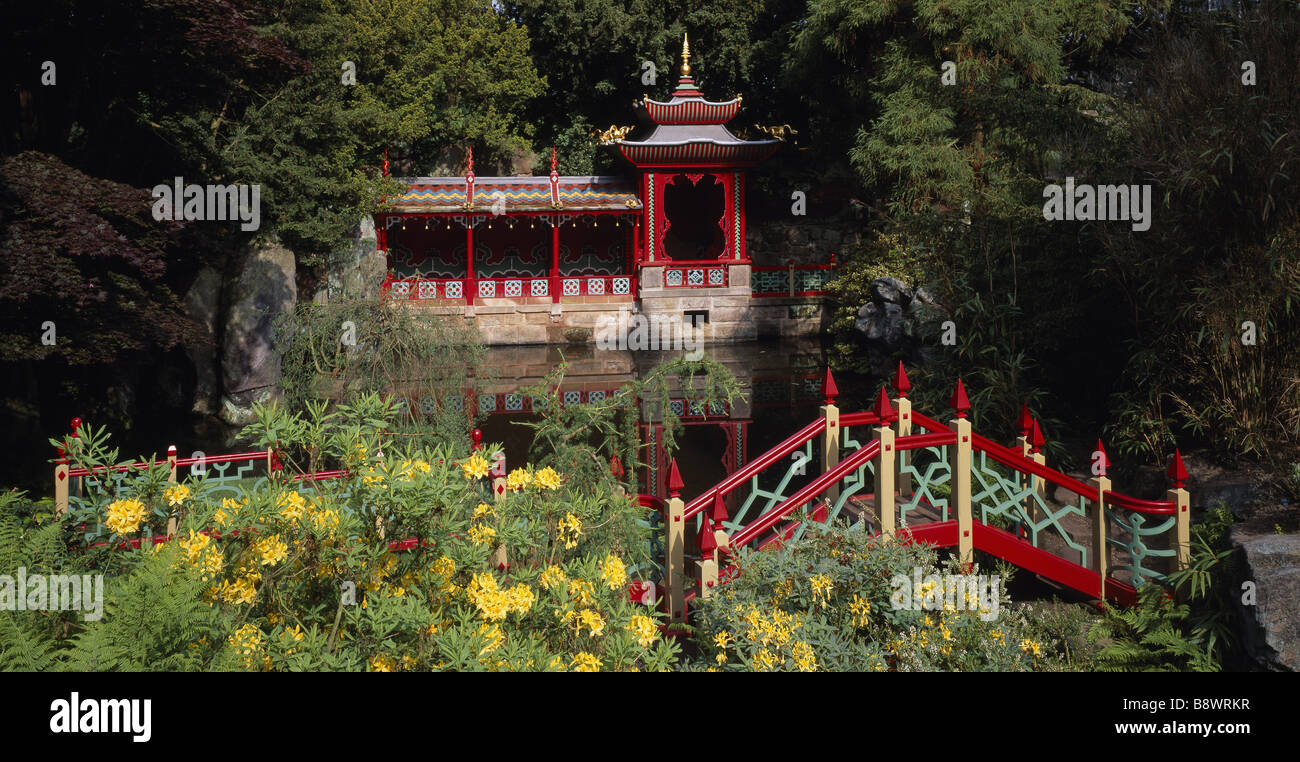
(943, 484)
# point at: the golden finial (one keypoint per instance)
(686, 56)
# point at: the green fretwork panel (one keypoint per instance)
(926, 479)
(801, 463)
(1134, 525)
(861, 479)
(995, 495)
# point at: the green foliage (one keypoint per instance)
(1189, 631)
(825, 601)
(355, 345)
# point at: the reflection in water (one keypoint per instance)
(780, 382)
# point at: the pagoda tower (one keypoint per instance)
(690, 249)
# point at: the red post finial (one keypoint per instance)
(719, 514)
(76, 426)
(1026, 421)
(901, 384)
(477, 436)
(960, 402)
(171, 451)
(1036, 440)
(675, 482)
(829, 390)
(832, 259)
(616, 467)
(884, 410)
(706, 541)
(1105, 459)
(1177, 471)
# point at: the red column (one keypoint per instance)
(555, 260)
(471, 288)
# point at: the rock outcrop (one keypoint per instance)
(900, 319)
(264, 289)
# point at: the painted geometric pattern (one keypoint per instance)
(696, 151)
(771, 281)
(539, 288)
(524, 193)
(621, 285)
(1135, 544)
(487, 288)
(692, 112)
(695, 276)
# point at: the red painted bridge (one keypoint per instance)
(916, 479)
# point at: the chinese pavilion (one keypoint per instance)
(542, 259)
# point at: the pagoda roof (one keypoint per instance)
(445, 195)
(691, 130)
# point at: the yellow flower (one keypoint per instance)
(723, 640)
(643, 627)
(552, 577)
(482, 510)
(382, 663)
(482, 534)
(495, 637)
(239, 591)
(570, 529)
(763, 660)
(547, 478)
(585, 662)
(804, 658)
(860, 608)
(247, 641)
(518, 479)
(176, 495)
(592, 620)
(613, 572)
(272, 549)
(998, 636)
(220, 517)
(556, 664)
(125, 516)
(476, 467)
(582, 592)
(520, 598)
(292, 505)
(1029, 646)
(444, 567)
(821, 588)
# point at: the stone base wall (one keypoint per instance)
(730, 313)
(790, 315)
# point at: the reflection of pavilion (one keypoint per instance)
(769, 375)
(541, 259)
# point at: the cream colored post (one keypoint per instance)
(885, 464)
(61, 485)
(960, 459)
(831, 447)
(904, 406)
(1183, 525)
(1100, 533)
(171, 477)
(675, 559)
(707, 569)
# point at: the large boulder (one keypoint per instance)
(264, 289)
(898, 319)
(358, 271)
(202, 302)
(1271, 636)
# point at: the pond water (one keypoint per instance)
(780, 380)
